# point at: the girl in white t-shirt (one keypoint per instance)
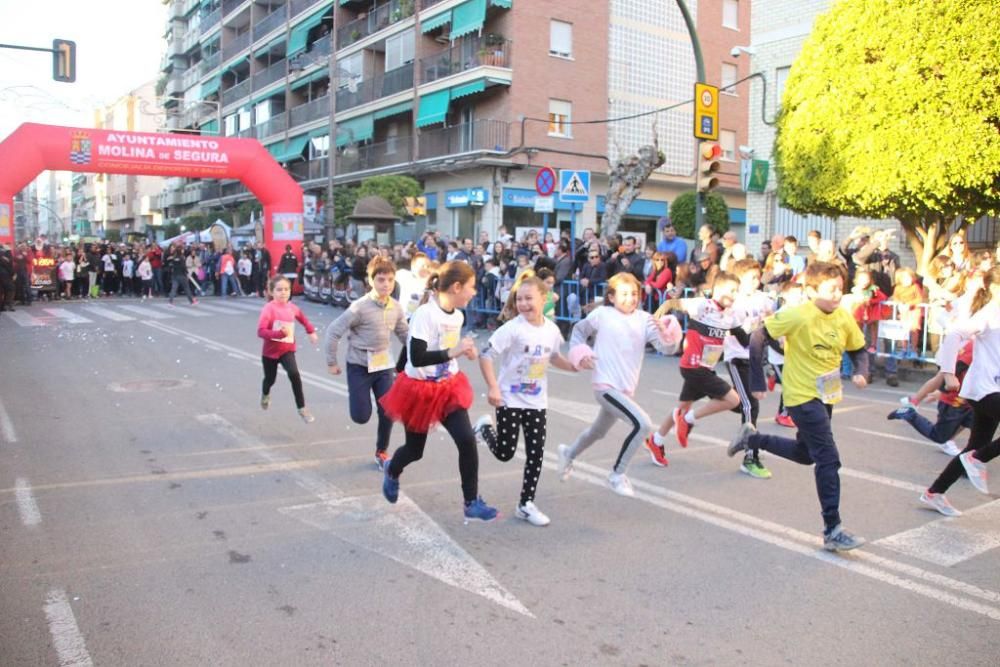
(128, 269)
(145, 273)
(432, 390)
(67, 269)
(620, 332)
(523, 346)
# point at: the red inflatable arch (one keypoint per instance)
(32, 148)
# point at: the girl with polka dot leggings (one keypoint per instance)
(523, 347)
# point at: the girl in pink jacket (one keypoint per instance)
(277, 327)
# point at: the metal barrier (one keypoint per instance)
(905, 328)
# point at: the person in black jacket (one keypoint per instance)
(288, 266)
(6, 280)
(262, 268)
(177, 263)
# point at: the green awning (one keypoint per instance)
(321, 132)
(211, 127)
(402, 107)
(355, 130)
(318, 74)
(299, 39)
(433, 107)
(277, 93)
(211, 86)
(233, 65)
(501, 3)
(436, 21)
(468, 17)
(292, 149)
(468, 89)
(275, 148)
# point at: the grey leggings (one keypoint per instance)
(615, 405)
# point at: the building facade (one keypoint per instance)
(470, 97)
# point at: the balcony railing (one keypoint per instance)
(210, 20)
(424, 4)
(270, 75)
(381, 17)
(208, 63)
(373, 156)
(269, 23)
(190, 77)
(190, 40)
(232, 189)
(299, 6)
(480, 135)
(319, 52)
(273, 125)
(310, 169)
(176, 10)
(174, 85)
(235, 45)
(230, 5)
(387, 84)
(237, 92)
(310, 111)
(467, 53)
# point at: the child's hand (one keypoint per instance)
(287, 329)
(314, 338)
(467, 347)
(334, 369)
(588, 363)
(860, 381)
(951, 382)
(494, 398)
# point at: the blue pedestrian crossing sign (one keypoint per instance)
(574, 186)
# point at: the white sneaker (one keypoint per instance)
(565, 468)
(975, 470)
(528, 512)
(621, 485)
(937, 501)
(477, 428)
(905, 402)
(949, 448)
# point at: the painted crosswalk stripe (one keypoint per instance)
(112, 315)
(66, 637)
(950, 541)
(67, 315)
(26, 505)
(222, 310)
(26, 320)
(891, 436)
(147, 313)
(183, 310)
(6, 425)
(253, 307)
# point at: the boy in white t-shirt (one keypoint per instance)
(524, 346)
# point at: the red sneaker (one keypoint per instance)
(784, 420)
(772, 381)
(683, 428)
(656, 452)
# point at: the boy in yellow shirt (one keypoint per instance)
(816, 333)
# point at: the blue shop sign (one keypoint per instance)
(467, 197)
(522, 198)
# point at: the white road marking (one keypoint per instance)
(67, 315)
(66, 637)
(403, 532)
(220, 310)
(108, 313)
(6, 425)
(251, 307)
(882, 479)
(892, 436)
(26, 505)
(26, 320)
(950, 541)
(184, 309)
(147, 313)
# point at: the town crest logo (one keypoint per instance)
(79, 151)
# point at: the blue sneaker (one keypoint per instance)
(478, 509)
(902, 413)
(390, 484)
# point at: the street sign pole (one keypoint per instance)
(545, 227)
(572, 230)
(699, 64)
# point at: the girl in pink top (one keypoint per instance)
(277, 327)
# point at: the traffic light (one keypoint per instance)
(709, 154)
(64, 60)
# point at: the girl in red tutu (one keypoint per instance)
(432, 390)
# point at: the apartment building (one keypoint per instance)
(470, 97)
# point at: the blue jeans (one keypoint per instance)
(361, 385)
(226, 280)
(157, 280)
(813, 444)
(949, 420)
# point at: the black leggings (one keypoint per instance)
(460, 429)
(503, 443)
(985, 419)
(287, 361)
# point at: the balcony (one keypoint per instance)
(381, 17)
(211, 20)
(310, 169)
(176, 10)
(318, 52)
(211, 62)
(229, 5)
(174, 85)
(299, 6)
(274, 125)
(480, 135)
(190, 77)
(467, 53)
(269, 23)
(235, 45)
(374, 156)
(175, 47)
(390, 83)
(310, 111)
(234, 189)
(190, 40)
(236, 93)
(424, 4)
(270, 75)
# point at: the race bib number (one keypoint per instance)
(379, 360)
(710, 355)
(830, 387)
(413, 304)
(278, 326)
(449, 337)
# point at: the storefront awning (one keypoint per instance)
(436, 21)
(299, 39)
(395, 109)
(211, 127)
(470, 88)
(292, 149)
(211, 86)
(501, 3)
(433, 107)
(467, 17)
(355, 130)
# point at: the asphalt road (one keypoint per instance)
(152, 514)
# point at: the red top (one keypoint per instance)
(964, 361)
(274, 313)
(155, 257)
(659, 280)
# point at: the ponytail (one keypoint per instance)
(982, 297)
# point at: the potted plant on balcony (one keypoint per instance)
(493, 46)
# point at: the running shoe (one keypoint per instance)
(480, 427)
(772, 381)
(784, 420)
(390, 485)
(975, 470)
(683, 428)
(307, 416)
(937, 501)
(949, 447)
(381, 458)
(907, 402)
(754, 468)
(528, 512)
(839, 539)
(621, 485)
(265, 401)
(902, 413)
(478, 510)
(565, 468)
(740, 440)
(656, 452)
(194, 302)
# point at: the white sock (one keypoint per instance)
(660, 440)
(689, 417)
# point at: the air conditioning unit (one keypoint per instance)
(443, 38)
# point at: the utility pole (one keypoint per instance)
(63, 58)
(699, 63)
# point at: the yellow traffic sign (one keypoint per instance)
(706, 111)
